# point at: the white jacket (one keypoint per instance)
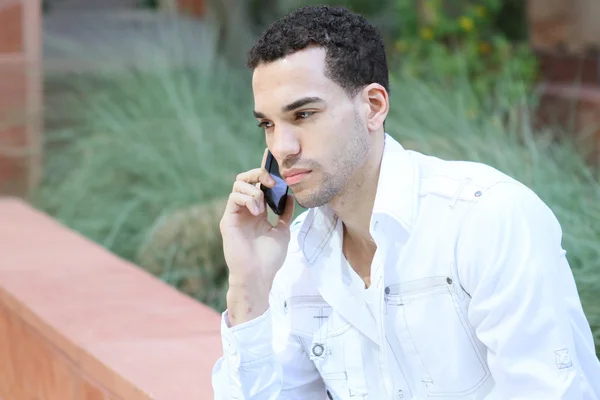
(471, 298)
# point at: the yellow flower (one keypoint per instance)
(480, 11)
(484, 48)
(427, 33)
(466, 24)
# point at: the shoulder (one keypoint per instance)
(494, 201)
(482, 185)
(509, 222)
(462, 179)
(508, 199)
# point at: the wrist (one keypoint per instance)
(245, 303)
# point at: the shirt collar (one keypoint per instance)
(396, 201)
(397, 189)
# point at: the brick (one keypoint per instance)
(11, 28)
(569, 68)
(574, 109)
(15, 164)
(569, 25)
(13, 99)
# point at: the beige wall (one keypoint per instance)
(20, 93)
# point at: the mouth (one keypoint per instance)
(294, 177)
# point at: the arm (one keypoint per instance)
(524, 303)
(263, 361)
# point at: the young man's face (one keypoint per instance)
(317, 133)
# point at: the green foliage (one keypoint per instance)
(438, 40)
(441, 39)
(152, 141)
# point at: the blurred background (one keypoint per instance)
(127, 120)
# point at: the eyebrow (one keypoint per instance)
(294, 105)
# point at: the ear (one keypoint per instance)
(376, 100)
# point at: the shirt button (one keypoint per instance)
(449, 280)
(318, 350)
(478, 193)
(387, 290)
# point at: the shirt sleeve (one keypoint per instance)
(263, 361)
(524, 303)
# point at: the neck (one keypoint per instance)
(355, 205)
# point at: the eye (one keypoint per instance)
(304, 114)
(265, 124)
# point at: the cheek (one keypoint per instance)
(325, 138)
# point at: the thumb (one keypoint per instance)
(286, 218)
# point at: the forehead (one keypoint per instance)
(301, 74)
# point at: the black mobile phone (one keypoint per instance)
(277, 195)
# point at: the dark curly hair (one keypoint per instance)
(355, 53)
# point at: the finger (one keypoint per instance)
(238, 202)
(246, 188)
(257, 175)
(251, 190)
(264, 159)
(285, 220)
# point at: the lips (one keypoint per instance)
(292, 177)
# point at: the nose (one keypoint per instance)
(283, 143)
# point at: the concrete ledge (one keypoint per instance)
(77, 322)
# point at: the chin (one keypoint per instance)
(301, 195)
(310, 199)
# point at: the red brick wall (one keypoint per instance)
(566, 36)
(568, 24)
(20, 93)
(11, 22)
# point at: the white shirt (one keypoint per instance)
(472, 298)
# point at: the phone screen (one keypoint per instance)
(277, 195)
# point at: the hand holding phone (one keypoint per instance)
(254, 248)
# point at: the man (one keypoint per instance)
(410, 277)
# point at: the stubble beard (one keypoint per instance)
(346, 165)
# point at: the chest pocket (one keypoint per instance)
(333, 345)
(435, 336)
